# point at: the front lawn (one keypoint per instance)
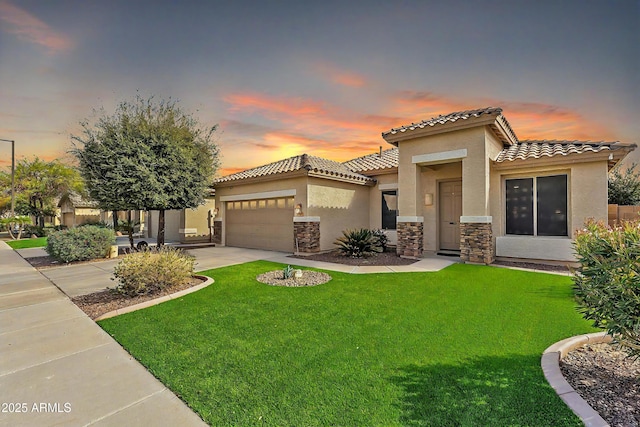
(39, 242)
(459, 347)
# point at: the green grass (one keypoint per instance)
(40, 242)
(460, 347)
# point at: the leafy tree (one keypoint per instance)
(39, 184)
(147, 155)
(624, 188)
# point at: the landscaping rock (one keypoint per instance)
(309, 278)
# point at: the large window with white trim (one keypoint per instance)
(537, 206)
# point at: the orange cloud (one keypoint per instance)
(29, 28)
(339, 76)
(275, 105)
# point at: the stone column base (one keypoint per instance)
(306, 234)
(410, 239)
(217, 232)
(476, 243)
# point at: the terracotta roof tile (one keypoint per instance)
(317, 165)
(536, 149)
(374, 162)
(448, 118)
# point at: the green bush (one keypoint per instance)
(80, 244)
(151, 270)
(607, 283)
(358, 243)
(382, 237)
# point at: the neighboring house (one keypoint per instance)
(456, 184)
(74, 210)
(184, 225)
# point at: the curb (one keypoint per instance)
(551, 367)
(156, 301)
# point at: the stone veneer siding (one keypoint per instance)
(217, 232)
(410, 239)
(307, 235)
(476, 243)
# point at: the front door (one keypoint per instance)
(450, 211)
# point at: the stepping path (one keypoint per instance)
(60, 368)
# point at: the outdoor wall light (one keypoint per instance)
(298, 209)
(428, 199)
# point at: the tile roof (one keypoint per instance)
(505, 127)
(536, 149)
(374, 162)
(315, 165)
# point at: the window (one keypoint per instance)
(389, 209)
(537, 206)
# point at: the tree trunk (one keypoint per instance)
(130, 229)
(41, 219)
(114, 216)
(160, 238)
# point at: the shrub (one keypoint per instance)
(80, 244)
(607, 283)
(152, 270)
(287, 272)
(624, 187)
(358, 243)
(382, 237)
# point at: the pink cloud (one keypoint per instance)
(29, 28)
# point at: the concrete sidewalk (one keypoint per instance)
(60, 368)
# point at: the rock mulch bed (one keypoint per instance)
(384, 258)
(608, 380)
(309, 278)
(99, 303)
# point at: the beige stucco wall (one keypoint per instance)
(298, 184)
(173, 220)
(196, 220)
(339, 205)
(475, 169)
(587, 184)
(430, 179)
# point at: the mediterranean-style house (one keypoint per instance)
(462, 183)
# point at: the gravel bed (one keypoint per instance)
(309, 278)
(99, 303)
(384, 258)
(608, 380)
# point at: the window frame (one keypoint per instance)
(534, 177)
(382, 209)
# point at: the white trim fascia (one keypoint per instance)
(306, 219)
(263, 195)
(391, 186)
(410, 219)
(476, 219)
(441, 157)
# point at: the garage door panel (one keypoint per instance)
(253, 225)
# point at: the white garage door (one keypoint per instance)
(260, 224)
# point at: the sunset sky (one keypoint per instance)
(283, 78)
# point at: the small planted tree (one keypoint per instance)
(624, 187)
(148, 155)
(607, 283)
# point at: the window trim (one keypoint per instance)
(535, 176)
(382, 193)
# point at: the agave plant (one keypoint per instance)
(358, 243)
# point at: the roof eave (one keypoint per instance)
(395, 138)
(557, 160)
